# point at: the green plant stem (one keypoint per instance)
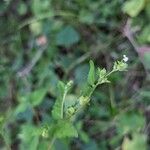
(93, 89)
(51, 143)
(45, 16)
(62, 114)
(62, 104)
(110, 73)
(98, 83)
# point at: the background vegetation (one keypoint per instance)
(44, 41)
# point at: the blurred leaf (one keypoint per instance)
(26, 115)
(21, 108)
(138, 142)
(23, 104)
(64, 129)
(92, 145)
(83, 135)
(130, 122)
(145, 93)
(43, 145)
(81, 74)
(22, 9)
(86, 17)
(67, 36)
(133, 7)
(40, 6)
(61, 144)
(29, 136)
(147, 60)
(4, 5)
(147, 8)
(144, 36)
(37, 96)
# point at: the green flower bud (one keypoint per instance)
(70, 111)
(120, 66)
(102, 73)
(68, 85)
(102, 76)
(45, 133)
(83, 100)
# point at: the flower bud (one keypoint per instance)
(83, 100)
(70, 111)
(68, 85)
(120, 66)
(45, 133)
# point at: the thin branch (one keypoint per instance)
(128, 33)
(45, 16)
(51, 143)
(26, 70)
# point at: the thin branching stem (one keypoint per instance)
(51, 143)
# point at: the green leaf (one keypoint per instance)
(144, 36)
(23, 104)
(133, 7)
(56, 112)
(138, 142)
(102, 74)
(64, 129)
(22, 9)
(39, 7)
(29, 137)
(67, 37)
(130, 122)
(146, 60)
(82, 134)
(21, 108)
(4, 5)
(59, 105)
(37, 96)
(86, 17)
(91, 75)
(92, 145)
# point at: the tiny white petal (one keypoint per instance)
(125, 58)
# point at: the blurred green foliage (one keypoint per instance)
(44, 41)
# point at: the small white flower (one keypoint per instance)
(125, 58)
